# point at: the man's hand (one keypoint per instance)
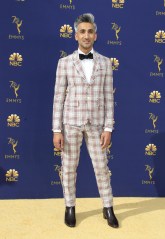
(58, 141)
(105, 139)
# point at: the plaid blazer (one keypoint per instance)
(76, 101)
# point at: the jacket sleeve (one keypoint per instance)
(109, 97)
(59, 95)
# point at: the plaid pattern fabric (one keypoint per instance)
(73, 136)
(75, 101)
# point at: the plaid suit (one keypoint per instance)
(82, 110)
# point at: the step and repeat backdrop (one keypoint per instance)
(33, 36)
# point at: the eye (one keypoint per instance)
(91, 31)
(82, 31)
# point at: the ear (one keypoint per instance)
(95, 36)
(76, 37)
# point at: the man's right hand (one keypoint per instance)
(58, 141)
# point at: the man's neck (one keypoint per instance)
(84, 51)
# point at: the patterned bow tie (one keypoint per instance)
(89, 56)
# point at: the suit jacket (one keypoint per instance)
(75, 101)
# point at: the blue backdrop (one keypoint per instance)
(132, 35)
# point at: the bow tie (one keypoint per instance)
(89, 56)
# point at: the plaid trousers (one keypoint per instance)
(73, 136)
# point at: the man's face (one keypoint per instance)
(85, 36)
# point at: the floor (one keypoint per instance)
(139, 218)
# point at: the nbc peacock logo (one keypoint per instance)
(118, 3)
(12, 175)
(160, 37)
(66, 31)
(155, 97)
(150, 150)
(13, 120)
(57, 152)
(115, 64)
(15, 59)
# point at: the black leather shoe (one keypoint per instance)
(70, 218)
(110, 216)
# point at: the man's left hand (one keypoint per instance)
(105, 139)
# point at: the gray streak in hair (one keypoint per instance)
(86, 17)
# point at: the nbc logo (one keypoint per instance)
(155, 97)
(57, 152)
(15, 59)
(150, 150)
(160, 37)
(13, 120)
(66, 31)
(12, 175)
(115, 64)
(118, 3)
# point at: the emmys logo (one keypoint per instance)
(66, 31)
(154, 119)
(161, 13)
(150, 150)
(150, 171)
(160, 37)
(15, 59)
(117, 29)
(12, 175)
(159, 62)
(58, 169)
(18, 23)
(118, 3)
(155, 97)
(57, 152)
(63, 54)
(15, 87)
(108, 151)
(13, 143)
(68, 6)
(13, 120)
(115, 64)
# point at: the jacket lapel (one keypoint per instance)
(96, 66)
(78, 65)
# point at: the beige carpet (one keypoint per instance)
(140, 218)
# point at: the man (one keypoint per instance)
(83, 107)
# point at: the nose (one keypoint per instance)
(86, 35)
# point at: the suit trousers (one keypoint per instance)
(73, 136)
